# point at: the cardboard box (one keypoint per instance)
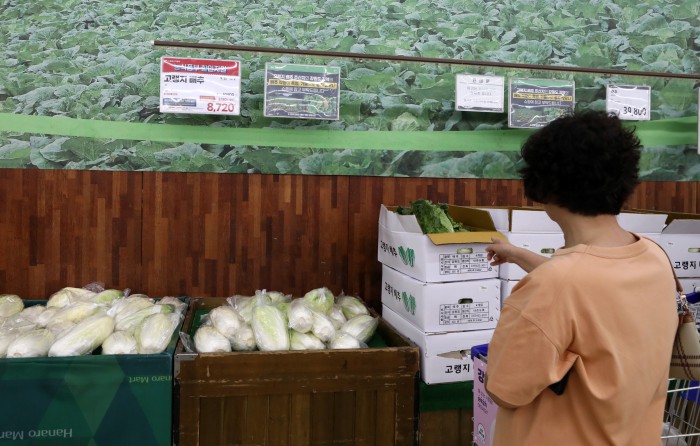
(447, 257)
(442, 307)
(681, 241)
(645, 224)
(485, 409)
(330, 397)
(529, 228)
(540, 243)
(506, 289)
(98, 399)
(444, 357)
(532, 229)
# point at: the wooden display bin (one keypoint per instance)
(323, 397)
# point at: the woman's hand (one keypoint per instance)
(499, 252)
(502, 251)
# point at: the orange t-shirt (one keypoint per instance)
(609, 315)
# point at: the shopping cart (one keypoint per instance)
(682, 412)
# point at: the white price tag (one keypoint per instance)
(629, 102)
(479, 93)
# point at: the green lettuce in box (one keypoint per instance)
(432, 218)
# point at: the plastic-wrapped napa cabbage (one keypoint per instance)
(107, 297)
(10, 304)
(244, 339)
(120, 343)
(301, 317)
(208, 340)
(352, 306)
(362, 327)
(32, 313)
(5, 341)
(270, 328)
(337, 317)
(344, 340)
(73, 313)
(45, 317)
(84, 337)
(132, 321)
(125, 307)
(276, 297)
(155, 332)
(179, 305)
(68, 295)
(226, 320)
(245, 305)
(323, 327)
(31, 344)
(320, 299)
(305, 341)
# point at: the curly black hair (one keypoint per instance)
(585, 162)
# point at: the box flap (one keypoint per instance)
(531, 220)
(642, 222)
(398, 223)
(465, 237)
(500, 217)
(682, 226)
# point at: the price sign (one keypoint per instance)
(200, 86)
(533, 103)
(629, 102)
(302, 91)
(479, 93)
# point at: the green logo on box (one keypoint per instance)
(409, 302)
(407, 255)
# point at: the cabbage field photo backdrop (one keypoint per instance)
(79, 82)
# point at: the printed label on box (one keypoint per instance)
(464, 263)
(464, 313)
(686, 265)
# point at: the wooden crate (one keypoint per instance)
(323, 397)
(446, 427)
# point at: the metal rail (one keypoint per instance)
(434, 60)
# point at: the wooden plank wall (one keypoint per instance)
(201, 234)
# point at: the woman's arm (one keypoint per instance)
(501, 251)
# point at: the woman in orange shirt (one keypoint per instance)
(581, 352)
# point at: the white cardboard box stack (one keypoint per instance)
(531, 228)
(681, 241)
(439, 290)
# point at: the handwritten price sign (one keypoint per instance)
(629, 102)
(480, 93)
